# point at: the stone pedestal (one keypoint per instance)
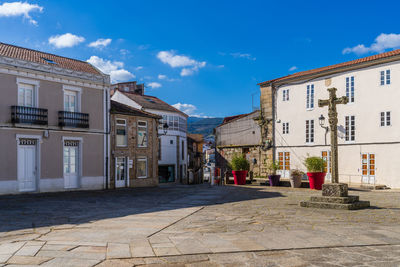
(335, 196)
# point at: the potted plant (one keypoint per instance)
(240, 166)
(315, 172)
(295, 178)
(273, 177)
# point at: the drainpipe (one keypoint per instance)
(107, 133)
(273, 122)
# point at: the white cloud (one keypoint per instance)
(113, 68)
(65, 40)
(189, 109)
(162, 76)
(100, 43)
(188, 64)
(15, 9)
(154, 85)
(243, 55)
(186, 72)
(382, 42)
(139, 68)
(293, 68)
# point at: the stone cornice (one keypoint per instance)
(52, 73)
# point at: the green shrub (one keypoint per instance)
(296, 173)
(314, 164)
(239, 163)
(272, 167)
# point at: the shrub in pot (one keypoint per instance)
(295, 178)
(273, 177)
(240, 166)
(315, 172)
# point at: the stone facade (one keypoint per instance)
(132, 152)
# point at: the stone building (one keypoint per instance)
(172, 161)
(195, 156)
(242, 134)
(134, 147)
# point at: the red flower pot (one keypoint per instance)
(316, 179)
(239, 177)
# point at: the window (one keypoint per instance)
(350, 128)
(120, 129)
(142, 134)
(285, 95)
(70, 101)
(285, 128)
(126, 88)
(142, 168)
(310, 96)
(385, 118)
(284, 160)
(385, 77)
(350, 88)
(309, 131)
(49, 61)
(171, 142)
(26, 95)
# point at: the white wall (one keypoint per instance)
(370, 99)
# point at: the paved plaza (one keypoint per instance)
(197, 225)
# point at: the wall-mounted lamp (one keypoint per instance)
(321, 120)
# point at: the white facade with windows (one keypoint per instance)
(368, 126)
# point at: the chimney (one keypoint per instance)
(130, 87)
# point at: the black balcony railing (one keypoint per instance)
(73, 119)
(30, 115)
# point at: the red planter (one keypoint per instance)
(239, 177)
(316, 179)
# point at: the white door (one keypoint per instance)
(120, 172)
(284, 164)
(326, 156)
(27, 167)
(71, 164)
(368, 168)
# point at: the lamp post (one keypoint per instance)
(321, 120)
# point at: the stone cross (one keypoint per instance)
(333, 120)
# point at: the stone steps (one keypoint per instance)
(342, 200)
(339, 206)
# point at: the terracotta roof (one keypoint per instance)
(119, 108)
(17, 52)
(336, 66)
(196, 137)
(152, 102)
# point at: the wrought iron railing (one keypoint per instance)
(73, 119)
(30, 115)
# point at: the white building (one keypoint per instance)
(173, 157)
(369, 125)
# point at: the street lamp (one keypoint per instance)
(165, 128)
(322, 124)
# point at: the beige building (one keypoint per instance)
(368, 125)
(53, 114)
(134, 147)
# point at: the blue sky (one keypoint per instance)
(208, 56)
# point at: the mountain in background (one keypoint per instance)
(203, 126)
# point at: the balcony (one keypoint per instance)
(29, 115)
(73, 119)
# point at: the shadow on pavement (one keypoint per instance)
(28, 211)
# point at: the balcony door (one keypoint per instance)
(368, 168)
(26, 95)
(27, 165)
(326, 156)
(284, 164)
(70, 101)
(71, 164)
